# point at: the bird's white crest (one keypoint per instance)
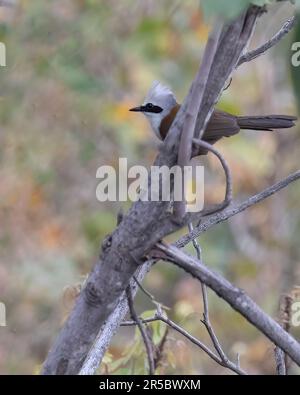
(157, 92)
(162, 96)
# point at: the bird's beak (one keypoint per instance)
(137, 109)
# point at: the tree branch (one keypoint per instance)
(236, 209)
(108, 330)
(139, 323)
(285, 29)
(237, 298)
(159, 316)
(209, 147)
(206, 320)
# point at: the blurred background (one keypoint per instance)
(74, 68)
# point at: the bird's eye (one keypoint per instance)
(152, 108)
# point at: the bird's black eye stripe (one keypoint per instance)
(149, 107)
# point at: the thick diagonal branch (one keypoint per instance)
(237, 298)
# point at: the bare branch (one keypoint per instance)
(143, 320)
(280, 361)
(162, 317)
(230, 365)
(237, 208)
(206, 320)
(148, 342)
(108, 330)
(237, 298)
(196, 245)
(285, 29)
(209, 147)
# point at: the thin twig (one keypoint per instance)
(235, 209)
(280, 361)
(209, 147)
(285, 312)
(144, 334)
(161, 317)
(228, 364)
(214, 339)
(195, 243)
(147, 293)
(143, 320)
(285, 29)
(206, 320)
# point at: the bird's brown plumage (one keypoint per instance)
(223, 124)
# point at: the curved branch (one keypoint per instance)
(223, 362)
(209, 147)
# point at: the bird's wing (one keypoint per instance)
(221, 124)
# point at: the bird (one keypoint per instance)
(160, 107)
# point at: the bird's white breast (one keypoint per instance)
(155, 121)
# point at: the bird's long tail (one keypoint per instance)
(268, 122)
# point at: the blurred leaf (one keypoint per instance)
(228, 9)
